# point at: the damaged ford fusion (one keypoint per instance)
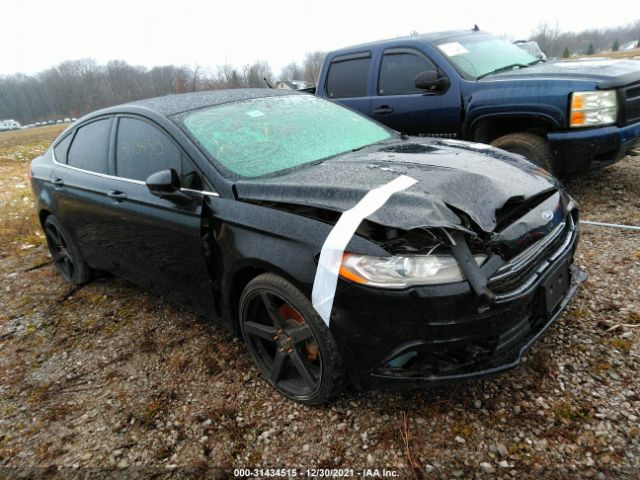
(341, 251)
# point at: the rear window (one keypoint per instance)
(61, 149)
(264, 136)
(348, 78)
(90, 147)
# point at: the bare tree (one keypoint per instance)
(312, 64)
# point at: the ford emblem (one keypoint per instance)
(547, 215)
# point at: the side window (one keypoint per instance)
(90, 147)
(398, 72)
(348, 78)
(61, 149)
(142, 149)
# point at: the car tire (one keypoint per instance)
(533, 147)
(65, 253)
(284, 334)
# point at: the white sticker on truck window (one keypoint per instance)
(326, 280)
(452, 49)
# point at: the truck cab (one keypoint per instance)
(567, 117)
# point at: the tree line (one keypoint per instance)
(76, 87)
(556, 43)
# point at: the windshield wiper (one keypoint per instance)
(502, 69)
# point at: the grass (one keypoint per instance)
(20, 230)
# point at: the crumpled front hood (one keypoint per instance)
(473, 178)
(607, 73)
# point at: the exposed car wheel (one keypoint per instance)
(289, 342)
(65, 253)
(534, 148)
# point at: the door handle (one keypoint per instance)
(383, 110)
(117, 195)
(58, 183)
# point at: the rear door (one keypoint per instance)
(80, 185)
(401, 106)
(348, 80)
(159, 243)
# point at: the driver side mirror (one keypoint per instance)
(166, 184)
(431, 80)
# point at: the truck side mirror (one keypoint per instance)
(430, 80)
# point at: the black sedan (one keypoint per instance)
(341, 251)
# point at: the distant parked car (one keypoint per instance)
(9, 124)
(67, 120)
(237, 201)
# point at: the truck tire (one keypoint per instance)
(533, 147)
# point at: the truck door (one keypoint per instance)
(348, 80)
(403, 107)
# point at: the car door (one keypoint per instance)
(403, 107)
(159, 242)
(80, 187)
(348, 80)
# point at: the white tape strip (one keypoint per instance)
(612, 225)
(326, 281)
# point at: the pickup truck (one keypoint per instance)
(564, 116)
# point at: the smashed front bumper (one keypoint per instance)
(445, 333)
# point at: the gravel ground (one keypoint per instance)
(108, 381)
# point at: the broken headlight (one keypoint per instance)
(590, 109)
(402, 271)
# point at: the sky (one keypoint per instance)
(37, 34)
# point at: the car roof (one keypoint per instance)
(433, 37)
(169, 105)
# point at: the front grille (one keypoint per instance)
(630, 104)
(520, 272)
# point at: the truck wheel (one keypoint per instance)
(532, 147)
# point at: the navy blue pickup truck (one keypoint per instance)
(567, 116)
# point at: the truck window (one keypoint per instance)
(398, 72)
(348, 78)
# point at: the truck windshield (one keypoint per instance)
(478, 55)
(265, 136)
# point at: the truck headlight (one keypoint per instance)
(402, 272)
(590, 109)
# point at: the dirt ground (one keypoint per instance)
(108, 381)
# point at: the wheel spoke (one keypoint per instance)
(300, 334)
(276, 367)
(307, 378)
(54, 235)
(272, 310)
(260, 330)
(68, 266)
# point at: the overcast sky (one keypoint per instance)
(37, 34)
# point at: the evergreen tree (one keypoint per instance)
(566, 53)
(591, 50)
(616, 46)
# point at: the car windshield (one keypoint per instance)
(265, 136)
(479, 54)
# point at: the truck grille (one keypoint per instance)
(630, 110)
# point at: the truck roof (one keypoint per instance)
(433, 37)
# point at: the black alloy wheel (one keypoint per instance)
(288, 341)
(65, 255)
